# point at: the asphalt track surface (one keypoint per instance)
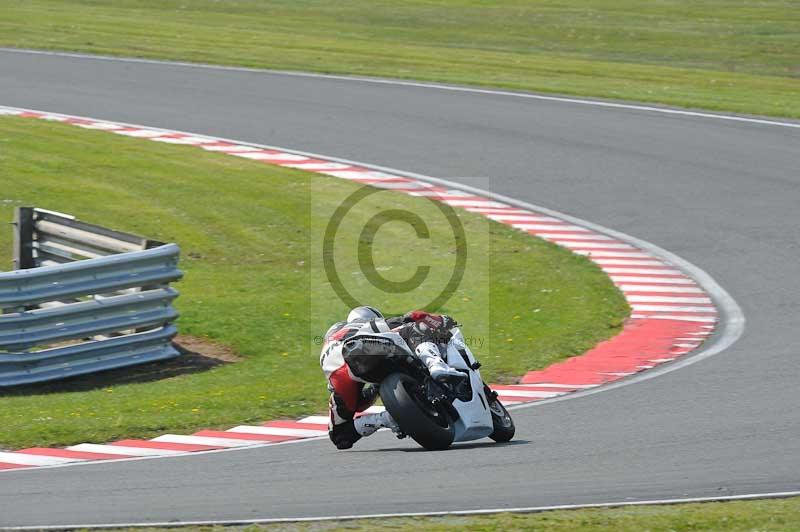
(723, 195)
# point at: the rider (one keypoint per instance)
(421, 331)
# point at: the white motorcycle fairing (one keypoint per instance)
(475, 418)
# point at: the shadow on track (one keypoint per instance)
(455, 447)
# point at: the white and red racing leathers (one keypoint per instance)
(350, 396)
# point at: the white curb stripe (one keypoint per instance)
(278, 431)
(527, 218)
(672, 308)
(598, 245)
(34, 459)
(705, 319)
(315, 420)
(122, 450)
(528, 393)
(641, 271)
(558, 385)
(262, 156)
(317, 166)
(610, 254)
(204, 440)
(660, 288)
(550, 227)
(472, 203)
(626, 262)
(667, 299)
(575, 236)
(650, 280)
(360, 175)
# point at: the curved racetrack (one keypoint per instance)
(724, 195)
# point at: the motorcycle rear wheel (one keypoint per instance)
(430, 427)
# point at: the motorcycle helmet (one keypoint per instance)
(364, 314)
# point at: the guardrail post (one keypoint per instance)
(23, 238)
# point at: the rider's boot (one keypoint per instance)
(367, 424)
(438, 368)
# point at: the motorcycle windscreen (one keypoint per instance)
(371, 358)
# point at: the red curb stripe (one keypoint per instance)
(65, 453)
(520, 398)
(4, 465)
(148, 444)
(510, 388)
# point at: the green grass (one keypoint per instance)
(250, 250)
(732, 56)
(776, 515)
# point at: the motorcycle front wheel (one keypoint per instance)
(504, 428)
(429, 426)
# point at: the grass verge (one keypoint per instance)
(247, 236)
(740, 57)
(773, 515)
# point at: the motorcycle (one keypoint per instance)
(435, 414)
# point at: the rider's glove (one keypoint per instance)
(429, 328)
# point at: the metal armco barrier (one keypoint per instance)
(83, 298)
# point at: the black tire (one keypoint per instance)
(503, 424)
(433, 429)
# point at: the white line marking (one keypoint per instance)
(204, 440)
(421, 85)
(122, 450)
(279, 431)
(443, 513)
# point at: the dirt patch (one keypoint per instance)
(203, 347)
(197, 354)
